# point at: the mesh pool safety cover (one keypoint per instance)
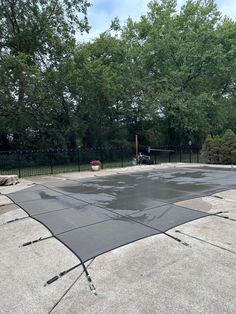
(96, 215)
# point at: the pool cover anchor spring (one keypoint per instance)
(177, 239)
(14, 220)
(34, 241)
(63, 273)
(204, 241)
(226, 217)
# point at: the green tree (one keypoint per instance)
(168, 77)
(207, 149)
(181, 59)
(99, 77)
(216, 149)
(37, 39)
(220, 149)
(228, 147)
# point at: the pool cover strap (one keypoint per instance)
(34, 241)
(15, 220)
(63, 273)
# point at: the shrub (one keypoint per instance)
(207, 149)
(220, 149)
(228, 147)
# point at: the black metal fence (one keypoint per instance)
(31, 163)
(170, 153)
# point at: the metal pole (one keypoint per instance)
(19, 165)
(136, 145)
(101, 154)
(78, 158)
(122, 157)
(51, 162)
(190, 151)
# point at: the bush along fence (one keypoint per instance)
(220, 149)
(31, 163)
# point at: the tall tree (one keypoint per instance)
(170, 77)
(36, 40)
(100, 75)
(182, 59)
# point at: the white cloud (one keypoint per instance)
(102, 12)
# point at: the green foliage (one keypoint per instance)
(217, 152)
(177, 58)
(228, 147)
(220, 150)
(168, 77)
(207, 149)
(37, 41)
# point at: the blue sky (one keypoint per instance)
(102, 12)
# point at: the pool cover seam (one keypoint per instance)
(159, 232)
(133, 241)
(123, 216)
(127, 217)
(155, 206)
(165, 203)
(80, 259)
(39, 199)
(92, 178)
(58, 210)
(86, 179)
(112, 211)
(55, 234)
(94, 256)
(196, 195)
(95, 204)
(86, 203)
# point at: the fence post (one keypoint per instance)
(122, 157)
(78, 158)
(101, 154)
(19, 165)
(155, 157)
(190, 155)
(51, 163)
(197, 154)
(180, 154)
(169, 157)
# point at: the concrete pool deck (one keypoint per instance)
(153, 275)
